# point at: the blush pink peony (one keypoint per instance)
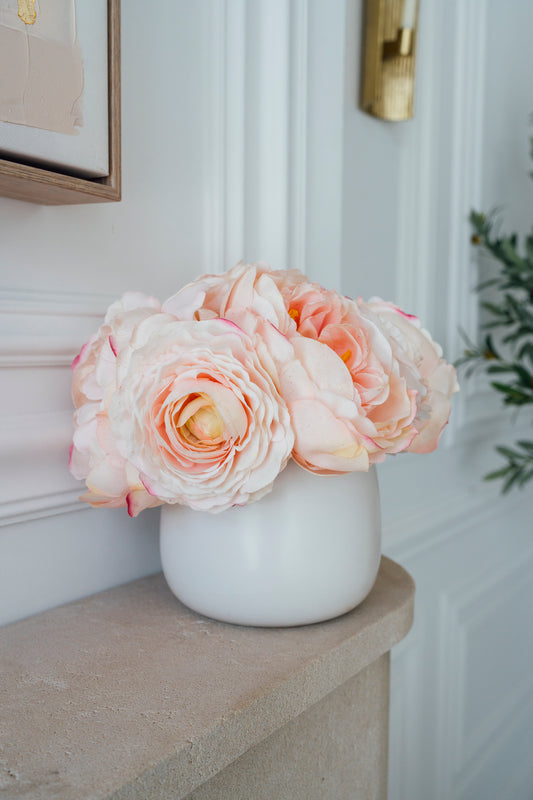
(111, 481)
(378, 407)
(198, 415)
(421, 363)
(247, 288)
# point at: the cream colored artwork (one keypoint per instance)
(53, 83)
(41, 66)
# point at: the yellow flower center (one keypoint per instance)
(199, 420)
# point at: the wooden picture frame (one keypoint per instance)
(50, 187)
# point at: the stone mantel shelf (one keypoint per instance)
(128, 694)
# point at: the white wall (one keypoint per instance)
(508, 110)
(242, 138)
(462, 687)
(61, 266)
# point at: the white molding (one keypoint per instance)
(521, 779)
(299, 36)
(256, 169)
(34, 456)
(225, 166)
(440, 181)
(62, 303)
(466, 158)
(514, 732)
(214, 98)
(446, 515)
(41, 506)
(273, 170)
(326, 24)
(477, 602)
(416, 240)
(234, 132)
(47, 329)
(460, 608)
(267, 131)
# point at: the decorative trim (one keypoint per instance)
(477, 602)
(266, 222)
(40, 329)
(434, 277)
(326, 49)
(215, 20)
(465, 187)
(41, 506)
(445, 516)
(417, 178)
(234, 132)
(517, 727)
(257, 143)
(459, 752)
(299, 35)
(64, 303)
(37, 483)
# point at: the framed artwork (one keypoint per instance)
(60, 100)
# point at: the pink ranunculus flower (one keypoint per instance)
(327, 421)
(198, 415)
(248, 296)
(421, 363)
(245, 287)
(110, 479)
(381, 417)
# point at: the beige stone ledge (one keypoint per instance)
(128, 694)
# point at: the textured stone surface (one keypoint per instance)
(128, 694)
(336, 750)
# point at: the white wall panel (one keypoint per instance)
(61, 267)
(54, 559)
(408, 190)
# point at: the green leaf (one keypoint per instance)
(526, 351)
(512, 394)
(529, 247)
(495, 368)
(526, 445)
(506, 451)
(494, 309)
(511, 480)
(489, 346)
(498, 473)
(526, 476)
(523, 375)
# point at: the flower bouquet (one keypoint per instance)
(202, 401)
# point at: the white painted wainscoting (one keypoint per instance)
(242, 139)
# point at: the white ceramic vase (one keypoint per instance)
(308, 551)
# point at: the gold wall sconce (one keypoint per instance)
(389, 58)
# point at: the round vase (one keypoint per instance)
(308, 551)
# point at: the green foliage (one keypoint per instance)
(511, 315)
(519, 467)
